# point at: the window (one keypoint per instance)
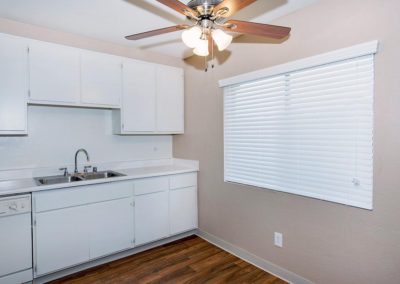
(305, 127)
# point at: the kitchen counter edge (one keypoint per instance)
(128, 176)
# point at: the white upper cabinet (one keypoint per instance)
(170, 90)
(101, 79)
(152, 100)
(63, 75)
(139, 97)
(148, 98)
(13, 85)
(54, 72)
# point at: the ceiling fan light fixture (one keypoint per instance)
(201, 48)
(210, 20)
(221, 39)
(191, 37)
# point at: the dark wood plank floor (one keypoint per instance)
(190, 260)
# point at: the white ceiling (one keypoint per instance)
(111, 20)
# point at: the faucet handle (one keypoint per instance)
(85, 168)
(65, 171)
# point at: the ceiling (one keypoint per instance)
(111, 20)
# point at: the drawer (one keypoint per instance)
(150, 185)
(60, 198)
(80, 195)
(111, 191)
(183, 180)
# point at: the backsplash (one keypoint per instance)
(56, 133)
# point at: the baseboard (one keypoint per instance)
(254, 260)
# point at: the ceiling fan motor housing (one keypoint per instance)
(204, 7)
(195, 3)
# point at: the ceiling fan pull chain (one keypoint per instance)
(212, 55)
(205, 64)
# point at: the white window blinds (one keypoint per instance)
(306, 132)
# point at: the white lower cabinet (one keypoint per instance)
(165, 206)
(111, 227)
(79, 224)
(151, 217)
(76, 225)
(183, 209)
(62, 238)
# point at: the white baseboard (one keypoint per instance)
(254, 260)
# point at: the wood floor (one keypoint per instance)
(190, 260)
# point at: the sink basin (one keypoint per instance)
(100, 175)
(57, 180)
(77, 177)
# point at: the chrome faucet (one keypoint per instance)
(76, 158)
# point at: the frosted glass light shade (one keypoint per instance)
(201, 48)
(191, 36)
(222, 39)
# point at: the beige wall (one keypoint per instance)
(56, 36)
(324, 242)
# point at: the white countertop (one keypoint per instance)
(28, 185)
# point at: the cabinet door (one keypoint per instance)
(13, 85)
(151, 217)
(183, 209)
(139, 95)
(62, 239)
(101, 79)
(170, 105)
(54, 73)
(111, 227)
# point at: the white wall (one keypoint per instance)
(55, 133)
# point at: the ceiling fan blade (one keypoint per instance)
(276, 32)
(179, 7)
(233, 6)
(157, 32)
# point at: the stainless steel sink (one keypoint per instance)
(57, 179)
(100, 175)
(76, 177)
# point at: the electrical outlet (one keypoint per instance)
(278, 239)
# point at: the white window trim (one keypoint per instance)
(325, 58)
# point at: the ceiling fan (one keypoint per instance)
(210, 24)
